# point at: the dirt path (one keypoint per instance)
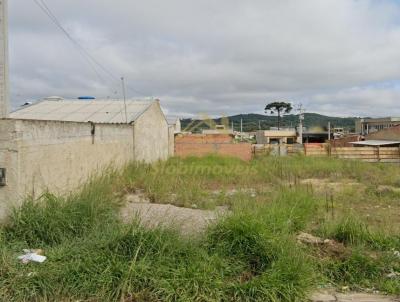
(355, 297)
(188, 221)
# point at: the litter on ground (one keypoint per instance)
(32, 256)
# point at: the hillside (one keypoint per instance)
(252, 122)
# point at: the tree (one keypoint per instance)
(280, 108)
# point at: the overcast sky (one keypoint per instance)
(220, 57)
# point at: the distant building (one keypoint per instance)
(319, 137)
(338, 133)
(366, 126)
(288, 136)
(388, 134)
(175, 123)
(219, 129)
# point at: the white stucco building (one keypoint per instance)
(57, 145)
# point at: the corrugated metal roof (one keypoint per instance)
(376, 143)
(96, 111)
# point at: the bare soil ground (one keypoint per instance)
(348, 194)
(328, 296)
(326, 185)
(152, 215)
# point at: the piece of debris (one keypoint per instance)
(309, 239)
(32, 255)
(393, 275)
(396, 254)
(31, 274)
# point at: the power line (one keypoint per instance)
(45, 9)
(86, 55)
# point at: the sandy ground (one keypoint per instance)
(325, 185)
(186, 220)
(356, 297)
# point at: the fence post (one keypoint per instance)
(379, 153)
(399, 154)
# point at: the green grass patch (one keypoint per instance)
(250, 255)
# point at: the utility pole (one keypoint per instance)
(124, 92)
(4, 79)
(259, 124)
(329, 131)
(232, 127)
(241, 129)
(301, 111)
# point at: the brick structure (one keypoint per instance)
(221, 144)
(205, 138)
(389, 134)
(345, 141)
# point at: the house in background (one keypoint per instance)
(218, 129)
(367, 126)
(388, 134)
(175, 123)
(283, 136)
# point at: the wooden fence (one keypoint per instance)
(369, 154)
(281, 150)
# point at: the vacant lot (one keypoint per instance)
(249, 249)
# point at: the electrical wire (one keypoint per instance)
(85, 54)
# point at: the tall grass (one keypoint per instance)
(250, 255)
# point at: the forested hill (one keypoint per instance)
(252, 122)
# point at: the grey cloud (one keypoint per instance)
(220, 57)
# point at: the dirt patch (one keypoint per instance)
(331, 296)
(387, 189)
(324, 247)
(152, 215)
(232, 192)
(326, 185)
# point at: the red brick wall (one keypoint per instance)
(345, 141)
(201, 145)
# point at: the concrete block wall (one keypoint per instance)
(9, 161)
(58, 156)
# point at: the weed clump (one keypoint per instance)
(243, 238)
(52, 220)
